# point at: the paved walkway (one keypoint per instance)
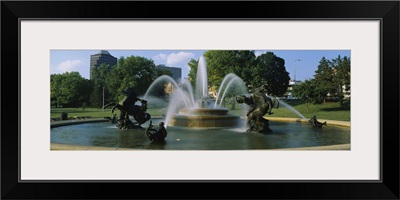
(56, 146)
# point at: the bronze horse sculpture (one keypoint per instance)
(128, 108)
(260, 104)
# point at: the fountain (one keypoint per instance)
(194, 108)
(196, 122)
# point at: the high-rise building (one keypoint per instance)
(176, 72)
(103, 57)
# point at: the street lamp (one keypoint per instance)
(103, 97)
(294, 79)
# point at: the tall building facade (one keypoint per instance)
(103, 57)
(176, 72)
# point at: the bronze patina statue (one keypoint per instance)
(260, 104)
(128, 108)
(315, 123)
(156, 135)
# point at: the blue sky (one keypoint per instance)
(79, 60)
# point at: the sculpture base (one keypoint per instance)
(126, 124)
(205, 118)
(261, 125)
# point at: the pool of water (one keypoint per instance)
(284, 135)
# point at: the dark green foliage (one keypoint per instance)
(100, 88)
(324, 77)
(192, 73)
(69, 89)
(137, 72)
(254, 71)
(342, 78)
(272, 71)
(331, 82)
(221, 63)
(309, 92)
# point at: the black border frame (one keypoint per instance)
(386, 11)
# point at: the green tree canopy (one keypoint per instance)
(271, 69)
(69, 89)
(193, 64)
(133, 71)
(221, 63)
(331, 79)
(324, 77)
(309, 92)
(100, 88)
(254, 71)
(341, 77)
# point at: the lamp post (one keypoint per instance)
(103, 98)
(294, 79)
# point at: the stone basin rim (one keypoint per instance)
(203, 111)
(54, 124)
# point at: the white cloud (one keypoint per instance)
(69, 65)
(180, 59)
(258, 53)
(160, 58)
(174, 59)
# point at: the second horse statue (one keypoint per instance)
(259, 105)
(127, 107)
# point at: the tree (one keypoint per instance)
(324, 77)
(69, 89)
(271, 69)
(113, 82)
(254, 71)
(221, 63)
(56, 97)
(342, 77)
(309, 92)
(101, 74)
(133, 71)
(331, 78)
(193, 64)
(85, 88)
(96, 97)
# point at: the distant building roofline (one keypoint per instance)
(104, 52)
(163, 65)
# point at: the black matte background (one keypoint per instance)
(387, 11)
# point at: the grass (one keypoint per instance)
(328, 111)
(93, 112)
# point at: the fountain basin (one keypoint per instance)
(286, 135)
(205, 118)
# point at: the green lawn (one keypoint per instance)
(93, 112)
(329, 111)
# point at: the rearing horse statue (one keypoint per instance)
(260, 104)
(128, 108)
